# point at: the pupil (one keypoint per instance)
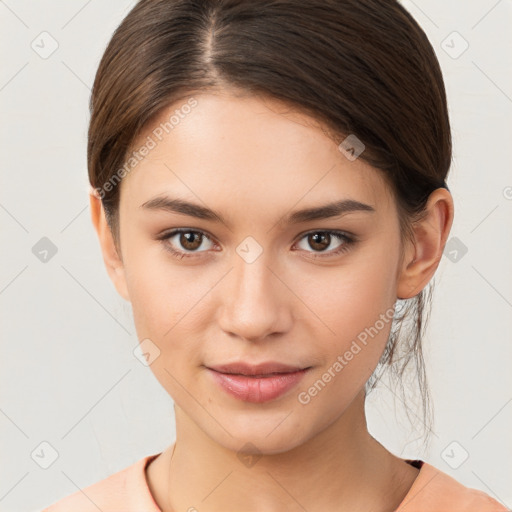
(189, 240)
(323, 236)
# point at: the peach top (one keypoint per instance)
(128, 491)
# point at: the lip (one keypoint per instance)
(257, 383)
(261, 369)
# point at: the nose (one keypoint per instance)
(254, 300)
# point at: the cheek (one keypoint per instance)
(171, 306)
(349, 299)
(349, 357)
(163, 311)
(356, 307)
(156, 306)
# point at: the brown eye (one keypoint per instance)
(184, 243)
(319, 241)
(190, 240)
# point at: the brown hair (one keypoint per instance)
(361, 67)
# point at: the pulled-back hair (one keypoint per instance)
(361, 67)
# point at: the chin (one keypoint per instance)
(267, 434)
(259, 443)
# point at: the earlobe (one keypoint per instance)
(111, 258)
(430, 235)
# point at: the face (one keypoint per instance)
(256, 282)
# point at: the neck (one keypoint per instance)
(342, 465)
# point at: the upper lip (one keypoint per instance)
(242, 368)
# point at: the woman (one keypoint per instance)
(268, 184)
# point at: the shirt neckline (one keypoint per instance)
(417, 463)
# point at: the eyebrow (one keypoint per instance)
(333, 209)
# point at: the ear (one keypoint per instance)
(430, 234)
(113, 262)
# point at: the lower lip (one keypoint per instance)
(257, 389)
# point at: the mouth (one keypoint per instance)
(257, 383)
(257, 370)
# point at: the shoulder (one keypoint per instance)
(434, 490)
(125, 490)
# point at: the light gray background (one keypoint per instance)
(68, 375)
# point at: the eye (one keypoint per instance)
(186, 244)
(188, 241)
(320, 240)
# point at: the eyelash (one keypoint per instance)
(349, 241)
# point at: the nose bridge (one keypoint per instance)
(252, 279)
(252, 263)
(253, 305)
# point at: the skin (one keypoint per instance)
(254, 160)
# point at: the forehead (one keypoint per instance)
(245, 154)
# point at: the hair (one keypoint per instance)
(359, 67)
